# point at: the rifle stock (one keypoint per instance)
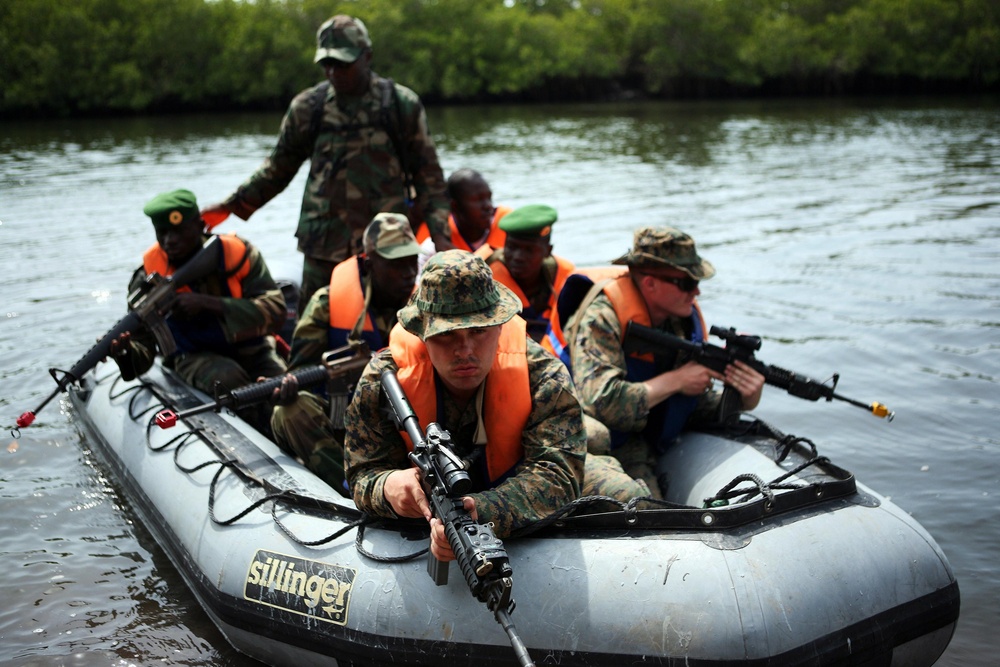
(334, 366)
(148, 307)
(481, 556)
(641, 339)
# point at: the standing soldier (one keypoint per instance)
(370, 149)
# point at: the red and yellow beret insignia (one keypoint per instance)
(176, 217)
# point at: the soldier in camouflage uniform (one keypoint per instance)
(311, 425)
(370, 152)
(464, 360)
(646, 402)
(223, 326)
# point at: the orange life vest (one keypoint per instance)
(625, 298)
(507, 399)
(348, 295)
(236, 263)
(494, 240)
(564, 268)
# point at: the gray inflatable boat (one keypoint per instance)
(766, 553)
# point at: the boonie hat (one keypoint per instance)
(390, 235)
(457, 291)
(655, 247)
(169, 209)
(533, 221)
(342, 38)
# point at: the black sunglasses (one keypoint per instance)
(685, 284)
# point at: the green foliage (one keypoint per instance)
(98, 56)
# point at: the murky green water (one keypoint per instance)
(855, 237)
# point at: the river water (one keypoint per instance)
(857, 237)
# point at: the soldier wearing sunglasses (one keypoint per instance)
(645, 401)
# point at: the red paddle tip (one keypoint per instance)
(213, 218)
(25, 419)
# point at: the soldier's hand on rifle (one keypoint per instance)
(120, 350)
(440, 547)
(748, 382)
(287, 393)
(691, 379)
(403, 491)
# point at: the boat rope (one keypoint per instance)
(283, 500)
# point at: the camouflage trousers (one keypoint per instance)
(213, 373)
(315, 274)
(304, 429)
(635, 458)
(604, 476)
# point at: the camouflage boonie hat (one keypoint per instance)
(342, 38)
(666, 247)
(390, 236)
(457, 291)
(169, 209)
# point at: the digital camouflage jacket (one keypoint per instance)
(554, 442)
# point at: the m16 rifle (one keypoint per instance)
(480, 554)
(740, 347)
(149, 307)
(334, 366)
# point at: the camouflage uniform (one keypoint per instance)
(553, 441)
(305, 426)
(599, 363)
(308, 427)
(355, 173)
(248, 324)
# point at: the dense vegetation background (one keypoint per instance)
(60, 57)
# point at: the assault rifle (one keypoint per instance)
(334, 366)
(479, 552)
(149, 306)
(741, 347)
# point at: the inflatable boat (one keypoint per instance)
(764, 553)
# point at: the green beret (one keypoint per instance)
(533, 220)
(169, 209)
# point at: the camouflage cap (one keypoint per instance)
(169, 209)
(457, 291)
(390, 235)
(531, 221)
(666, 247)
(342, 38)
